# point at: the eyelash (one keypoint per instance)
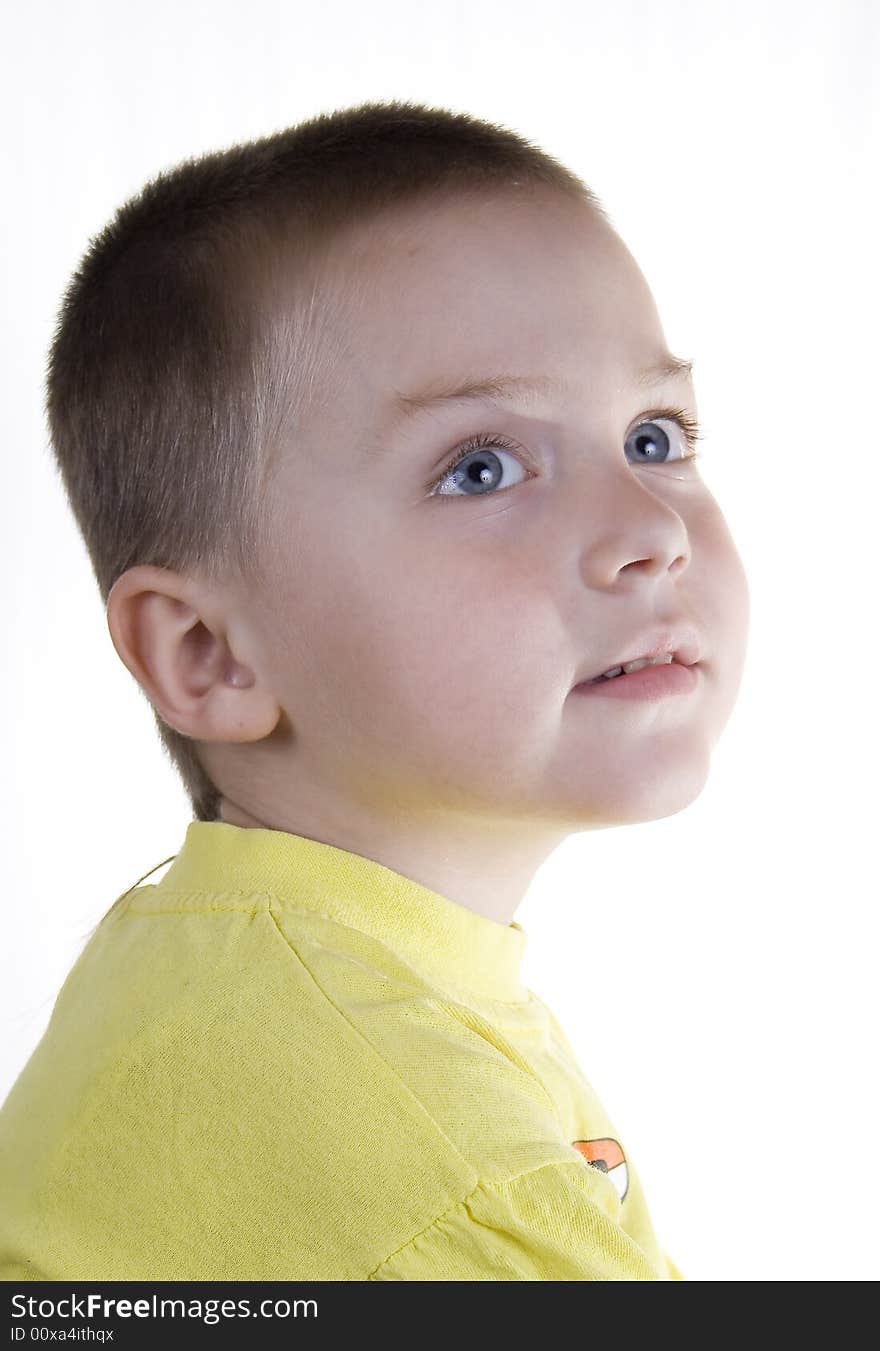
(692, 429)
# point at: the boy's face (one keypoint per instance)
(424, 647)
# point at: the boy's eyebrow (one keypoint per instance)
(407, 406)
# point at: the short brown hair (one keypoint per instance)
(169, 382)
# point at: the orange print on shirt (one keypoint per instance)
(606, 1155)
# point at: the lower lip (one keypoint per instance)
(651, 682)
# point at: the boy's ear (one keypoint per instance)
(171, 636)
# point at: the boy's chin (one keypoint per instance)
(643, 800)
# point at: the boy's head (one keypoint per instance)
(340, 635)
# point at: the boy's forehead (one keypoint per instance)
(427, 318)
(460, 256)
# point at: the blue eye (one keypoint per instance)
(484, 472)
(651, 445)
(647, 442)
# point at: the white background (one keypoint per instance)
(715, 970)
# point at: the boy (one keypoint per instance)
(384, 468)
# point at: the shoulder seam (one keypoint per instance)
(466, 1163)
(256, 901)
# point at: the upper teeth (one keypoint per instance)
(637, 665)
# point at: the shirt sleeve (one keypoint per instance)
(548, 1224)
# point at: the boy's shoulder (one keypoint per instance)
(227, 1090)
(206, 1072)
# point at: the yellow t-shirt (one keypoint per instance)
(285, 1061)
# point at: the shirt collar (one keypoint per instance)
(441, 938)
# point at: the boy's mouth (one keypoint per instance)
(630, 667)
(660, 647)
(650, 680)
